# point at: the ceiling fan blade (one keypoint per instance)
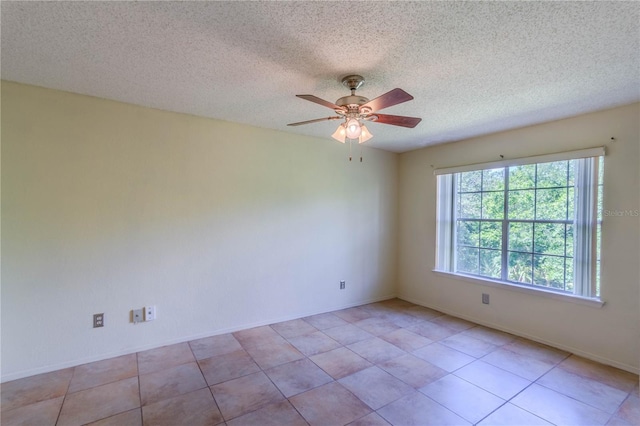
(317, 120)
(391, 98)
(320, 101)
(398, 120)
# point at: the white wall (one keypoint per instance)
(108, 207)
(610, 334)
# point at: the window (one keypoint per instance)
(532, 222)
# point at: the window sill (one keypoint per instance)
(597, 303)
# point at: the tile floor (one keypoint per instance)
(384, 363)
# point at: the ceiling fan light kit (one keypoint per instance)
(341, 134)
(354, 110)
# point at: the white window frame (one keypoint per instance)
(585, 221)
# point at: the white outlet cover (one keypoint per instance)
(149, 313)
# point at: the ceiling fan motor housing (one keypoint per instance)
(352, 82)
(352, 100)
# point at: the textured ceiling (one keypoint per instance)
(473, 67)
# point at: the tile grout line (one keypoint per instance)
(268, 377)
(452, 373)
(205, 382)
(527, 387)
(508, 401)
(64, 397)
(139, 388)
(263, 371)
(611, 415)
(310, 360)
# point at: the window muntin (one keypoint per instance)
(516, 224)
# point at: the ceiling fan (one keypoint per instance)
(355, 110)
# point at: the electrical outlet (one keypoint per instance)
(136, 316)
(98, 320)
(485, 298)
(149, 313)
(343, 285)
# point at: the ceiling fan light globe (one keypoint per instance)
(339, 134)
(353, 129)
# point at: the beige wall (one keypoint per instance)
(108, 207)
(609, 334)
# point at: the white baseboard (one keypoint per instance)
(81, 361)
(576, 351)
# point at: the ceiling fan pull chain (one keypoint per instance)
(349, 149)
